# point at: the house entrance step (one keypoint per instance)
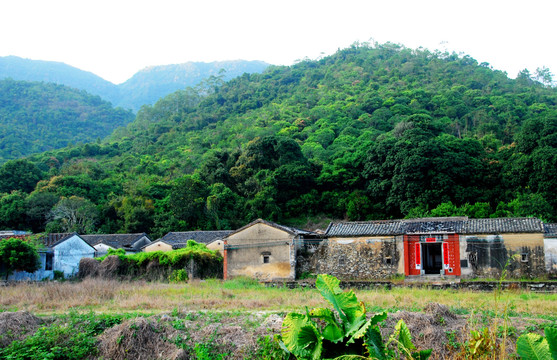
(432, 279)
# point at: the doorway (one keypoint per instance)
(432, 258)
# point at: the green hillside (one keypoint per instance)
(371, 132)
(152, 83)
(144, 88)
(35, 117)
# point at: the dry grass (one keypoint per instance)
(101, 295)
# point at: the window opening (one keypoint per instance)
(49, 259)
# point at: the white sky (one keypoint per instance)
(116, 38)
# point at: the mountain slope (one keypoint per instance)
(36, 117)
(144, 88)
(17, 68)
(152, 83)
(371, 132)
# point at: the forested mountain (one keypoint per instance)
(144, 88)
(16, 68)
(371, 132)
(36, 117)
(152, 83)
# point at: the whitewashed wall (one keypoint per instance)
(550, 249)
(68, 254)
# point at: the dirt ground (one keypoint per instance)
(186, 335)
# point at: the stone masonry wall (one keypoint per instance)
(357, 259)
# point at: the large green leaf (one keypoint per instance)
(551, 337)
(345, 303)
(402, 334)
(301, 337)
(533, 347)
(332, 330)
(422, 354)
(374, 344)
(359, 328)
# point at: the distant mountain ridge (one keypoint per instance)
(39, 116)
(144, 88)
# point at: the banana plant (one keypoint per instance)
(536, 347)
(342, 332)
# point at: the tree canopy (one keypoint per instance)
(371, 132)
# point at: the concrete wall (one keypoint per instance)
(522, 255)
(38, 275)
(68, 254)
(550, 250)
(158, 246)
(247, 249)
(360, 258)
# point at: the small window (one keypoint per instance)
(341, 261)
(463, 263)
(266, 259)
(524, 257)
(388, 260)
(49, 259)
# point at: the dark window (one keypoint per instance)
(524, 257)
(48, 261)
(266, 259)
(464, 263)
(389, 260)
(341, 261)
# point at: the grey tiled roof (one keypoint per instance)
(53, 239)
(550, 229)
(458, 225)
(503, 225)
(434, 225)
(204, 237)
(367, 228)
(116, 241)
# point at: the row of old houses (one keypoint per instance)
(451, 247)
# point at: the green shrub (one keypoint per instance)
(344, 331)
(179, 275)
(71, 337)
(58, 275)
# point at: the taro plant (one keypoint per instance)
(536, 347)
(343, 332)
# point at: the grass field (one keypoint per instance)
(108, 296)
(213, 319)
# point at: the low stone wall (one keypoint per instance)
(548, 287)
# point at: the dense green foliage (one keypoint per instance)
(16, 254)
(36, 117)
(165, 265)
(370, 132)
(71, 336)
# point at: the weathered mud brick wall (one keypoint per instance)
(520, 255)
(359, 259)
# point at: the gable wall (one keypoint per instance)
(158, 246)
(68, 254)
(255, 241)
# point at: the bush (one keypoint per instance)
(179, 275)
(159, 265)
